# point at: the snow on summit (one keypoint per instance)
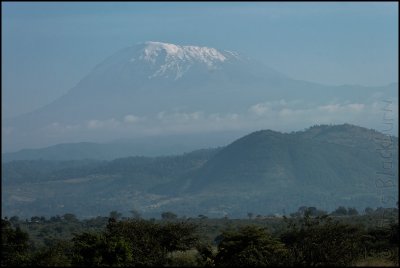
(189, 53)
(174, 60)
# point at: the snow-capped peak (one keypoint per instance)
(202, 54)
(175, 60)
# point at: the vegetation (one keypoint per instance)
(250, 246)
(322, 242)
(300, 240)
(266, 171)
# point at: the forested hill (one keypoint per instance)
(331, 157)
(263, 172)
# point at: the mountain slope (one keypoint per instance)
(284, 159)
(147, 87)
(149, 74)
(324, 166)
(263, 172)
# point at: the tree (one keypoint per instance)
(321, 242)
(150, 243)
(109, 248)
(57, 255)
(368, 211)
(205, 254)
(168, 215)
(135, 214)
(302, 210)
(352, 212)
(14, 220)
(14, 245)
(394, 241)
(250, 215)
(249, 246)
(143, 238)
(115, 215)
(202, 217)
(178, 236)
(311, 211)
(35, 219)
(70, 217)
(56, 218)
(117, 251)
(87, 250)
(340, 211)
(383, 240)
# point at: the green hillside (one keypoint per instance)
(263, 172)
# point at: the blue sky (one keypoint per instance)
(48, 47)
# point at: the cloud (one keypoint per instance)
(196, 121)
(270, 107)
(197, 117)
(103, 124)
(57, 127)
(337, 107)
(179, 117)
(284, 108)
(293, 115)
(112, 123)
(131, 118)
(259, 108)
(280, 115)
(94, 124)
(356, 106)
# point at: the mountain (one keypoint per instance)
(278, 158)
(145, 146)
(150, 78)
(157, 89)
(264, 172)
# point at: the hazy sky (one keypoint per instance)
(48, 47)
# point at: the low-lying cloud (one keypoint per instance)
(277, 115)
(280, 115)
